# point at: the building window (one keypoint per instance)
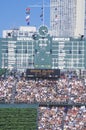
(26, 34)
(16, 51)
(25, 51)
(9, 34)
(50, 51)
(35, 50)
(70, 51)
(6, 50)
(20, 33)
(60, 51)
(79, 51)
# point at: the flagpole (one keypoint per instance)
(43, 12)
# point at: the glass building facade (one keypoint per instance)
(67, 17)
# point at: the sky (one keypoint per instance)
(13, 13)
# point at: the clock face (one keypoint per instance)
(43, 31)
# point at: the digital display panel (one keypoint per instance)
(39, 73)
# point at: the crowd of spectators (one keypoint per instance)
(75, 119)
(30, 91)
(50, 118)
(65, 90)
(6, 87)
(61, 90)
(61, 118)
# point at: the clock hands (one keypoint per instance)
(44, 31)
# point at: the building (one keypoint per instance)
(23, 31)
(85, 20)
(39, 50)
(67, 18)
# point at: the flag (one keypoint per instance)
(28, 23)
(41, 19)
(41, 15)
(27, 10)
(27, 17)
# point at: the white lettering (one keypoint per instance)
(11, 41)
(24, 38)
(61, 39)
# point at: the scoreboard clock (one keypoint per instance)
(43, 50)
(43, 31)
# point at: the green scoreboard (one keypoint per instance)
(43, 49)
